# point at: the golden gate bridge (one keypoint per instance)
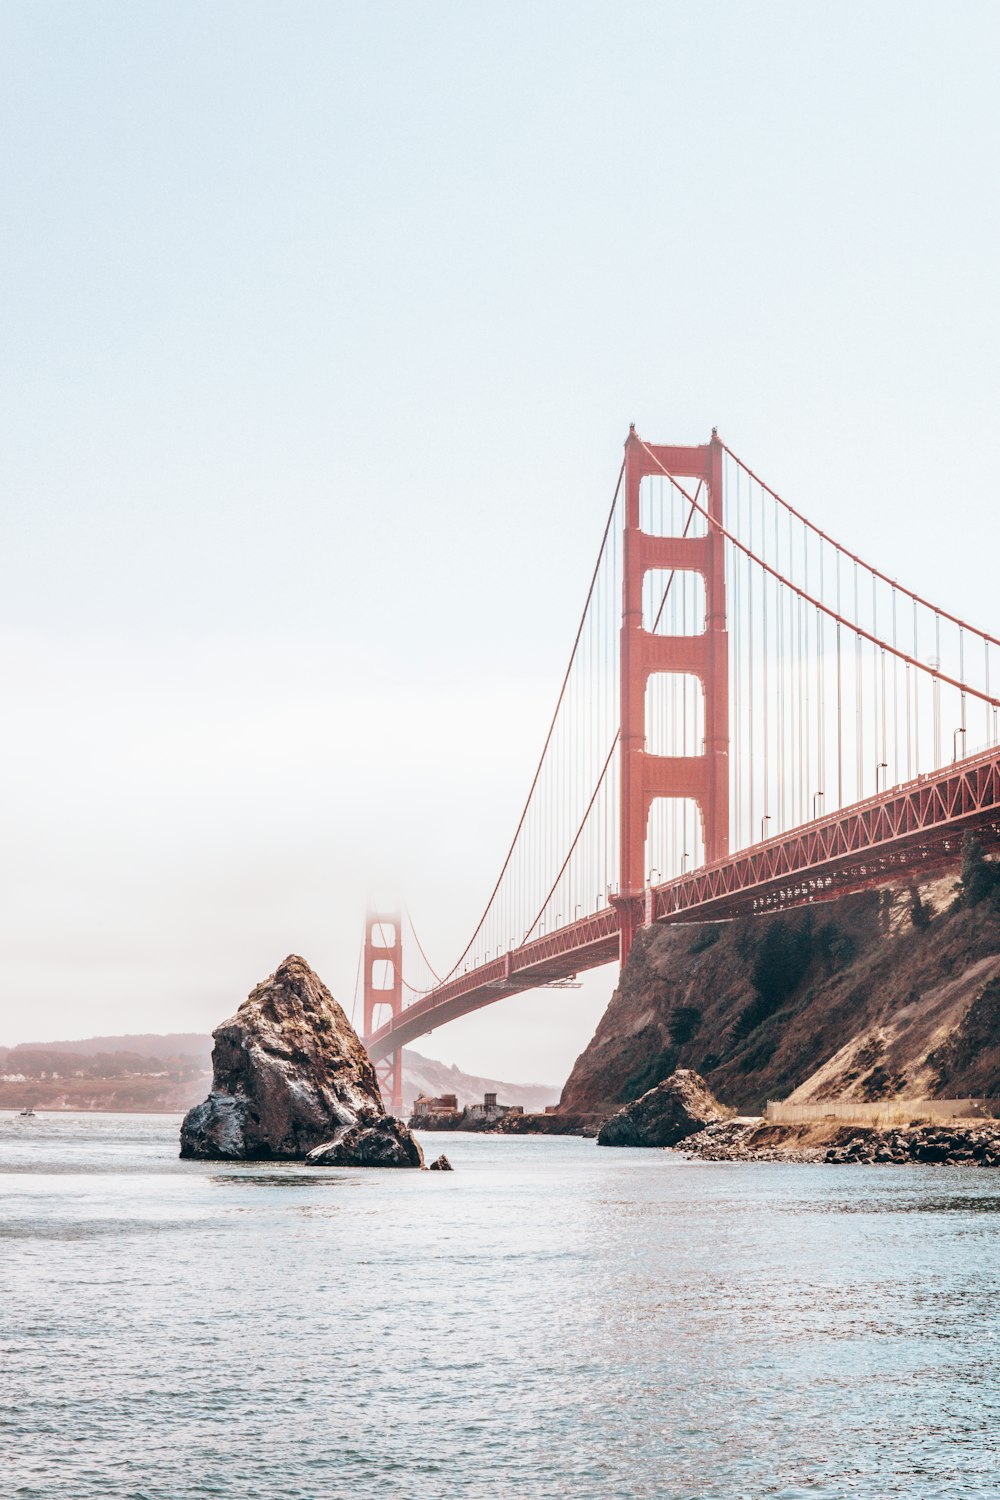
(752, 717)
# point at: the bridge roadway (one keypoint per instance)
(912, 829)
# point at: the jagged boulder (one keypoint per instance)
(288, 1074)
(372, 1142)
(441, 1164)
(678, 1107)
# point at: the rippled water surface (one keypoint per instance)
(552, 1319)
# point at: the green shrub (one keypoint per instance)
(653, 1071)
(843, 950)
(758, 1056)
(783, 957)
(980, 876)
(920, 912)
(683, 1023)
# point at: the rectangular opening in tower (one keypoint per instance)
(675, 714)
(383, 974)
(673, 602)
(675, 843)
(664, 511)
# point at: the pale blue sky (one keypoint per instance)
(322, 326)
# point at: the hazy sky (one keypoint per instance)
(323, 325)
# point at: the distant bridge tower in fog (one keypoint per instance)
(751, 718)
(383, 991)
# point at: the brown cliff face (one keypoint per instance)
(848, 999)
(289, 1073)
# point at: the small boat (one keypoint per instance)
(27, 1113)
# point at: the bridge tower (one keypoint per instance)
(384, 953)
(644, 777)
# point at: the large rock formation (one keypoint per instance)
(678, 1107)
(289, 1074)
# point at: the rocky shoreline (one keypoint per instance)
(568, 1123)
(972, 1143)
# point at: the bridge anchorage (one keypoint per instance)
(752, 717)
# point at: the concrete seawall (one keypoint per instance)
(878, 1112)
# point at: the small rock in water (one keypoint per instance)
(442, 1164)
(676, 1108)
(372, 1142)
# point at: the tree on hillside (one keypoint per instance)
(783, 956)
(920, 914)
(980, 875)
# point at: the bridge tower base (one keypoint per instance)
(704, 778)
(384, 949)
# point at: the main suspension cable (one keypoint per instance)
(933, 672)
(420, 947)
(614, 743)
(826, 537)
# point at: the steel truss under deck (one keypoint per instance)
(911, 830)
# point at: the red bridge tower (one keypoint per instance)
(384, 952)
(645, 777)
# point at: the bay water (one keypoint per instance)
(552, 1319)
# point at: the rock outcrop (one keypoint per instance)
(441, 1164)
(561, 1122)
(372, 1142)
(289, 1074)
(678, 1107)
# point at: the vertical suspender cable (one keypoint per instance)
(937, 690)
(895, 700)
(764, 673)
(782, 810)
(840, 700)
(821, 681)
(916, 698)
(858, 716)
(752, 767)
(806, 709)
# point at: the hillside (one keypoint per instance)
(168, 1074)
(148, 1044)
(883, 994)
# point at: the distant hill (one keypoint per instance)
(146, 1044)
(143, 1072)
(146, 1072)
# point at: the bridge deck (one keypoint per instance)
(909, 829)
